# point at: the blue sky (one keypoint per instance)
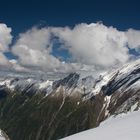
(22, 16)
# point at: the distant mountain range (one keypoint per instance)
(40, 109)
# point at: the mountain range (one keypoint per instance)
(47, 109)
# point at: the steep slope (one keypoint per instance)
(123, 127)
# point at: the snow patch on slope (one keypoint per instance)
(45, 84)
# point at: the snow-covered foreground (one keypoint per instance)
(1, 138)
(123, 127)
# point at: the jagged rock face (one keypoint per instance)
(122, 89)
(29, 86)
(69, 82)
(54, 109)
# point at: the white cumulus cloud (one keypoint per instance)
(34, 48)
(94, 44)
(5, 37)
(133, 38)
(92, 47)
(3, 60)
(5, 40)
